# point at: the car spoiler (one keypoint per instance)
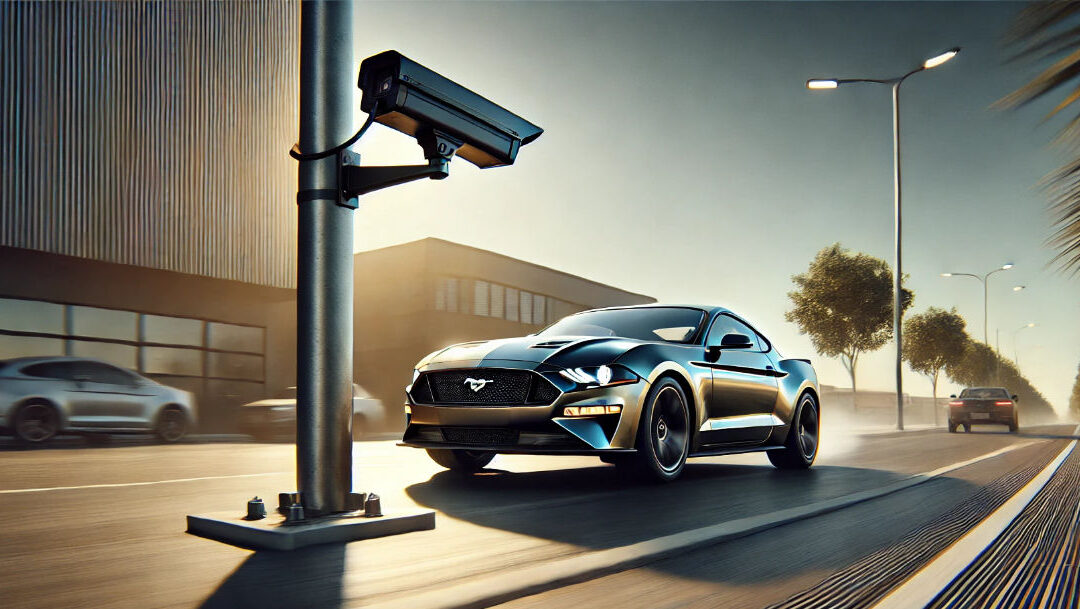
(796, 359)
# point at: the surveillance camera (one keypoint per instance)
(416, 100)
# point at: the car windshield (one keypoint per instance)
(985, 393)
(670, 324)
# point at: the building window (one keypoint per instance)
(31, 316)
(103, 323)
(229, 337)
(526, 311)
(480, 298)
(498, 300)
(173, 330)
(446, 294)
(538, 309)
(511, 304)
(177, 362)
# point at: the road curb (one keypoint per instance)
(507, 585)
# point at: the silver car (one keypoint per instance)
(275, 418)
(43, 396)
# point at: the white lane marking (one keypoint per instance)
(923, 587)
(489, 589)
(122, 484)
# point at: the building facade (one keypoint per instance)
(148, 214)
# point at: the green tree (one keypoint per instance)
(932, 339)
(844, 302)
(1074, 399)
(1049, 32)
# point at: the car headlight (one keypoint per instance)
(415, 375)
(599, 376)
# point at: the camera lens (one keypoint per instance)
(384, 85)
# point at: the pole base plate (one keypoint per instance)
(271, 533)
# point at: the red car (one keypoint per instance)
(981, 405)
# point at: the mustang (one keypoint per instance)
(642, 387)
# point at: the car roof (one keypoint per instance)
(660, 305)
(41, 359)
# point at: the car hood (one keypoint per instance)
(559, 351)
(272, 402)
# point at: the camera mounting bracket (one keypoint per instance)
(356, 180)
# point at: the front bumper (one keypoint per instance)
(532, 429)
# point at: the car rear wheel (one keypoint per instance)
(663, 441)
(463, 461)
(952, 427)
(36, 422)
(967, 427)
(801, 446)
(172, 424)
(1014, 426)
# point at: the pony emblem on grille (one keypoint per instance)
(477, 384)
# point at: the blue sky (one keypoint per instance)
(683, 158)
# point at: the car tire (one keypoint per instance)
(801, 445)
(461, 461)
(967, 427)
(952, 427)
(171, 425)
(663, 438)
(1014, 426)
(36, 422)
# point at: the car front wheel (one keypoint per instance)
(663, 440)
(462, 461)
(801, 446)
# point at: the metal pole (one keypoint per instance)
(324, 289)
(986, 309)
(898, 271)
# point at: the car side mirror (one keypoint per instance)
(1015, 398)
(953, 396)
(736, 341)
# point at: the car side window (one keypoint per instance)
(103, 373)
(726, 324)
(51, 370)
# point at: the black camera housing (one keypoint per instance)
(414, 100)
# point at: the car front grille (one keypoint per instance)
(479, 436)
(484, 387)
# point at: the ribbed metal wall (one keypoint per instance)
(152, 134)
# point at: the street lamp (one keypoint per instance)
(820, 84)
(983, 280)
(1016, 348)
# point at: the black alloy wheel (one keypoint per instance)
(172, 424)
(36, 422)
(801, 446)
(663, 440)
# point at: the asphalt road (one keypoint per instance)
(103, 526)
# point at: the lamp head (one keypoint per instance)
(822, 83)
(937, 60)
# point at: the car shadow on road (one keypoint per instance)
(309, 577)
(592, 509)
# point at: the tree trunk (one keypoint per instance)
(933, 387)
(854, 388)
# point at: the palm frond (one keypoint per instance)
(1044, 31)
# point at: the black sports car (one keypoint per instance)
(642, 387)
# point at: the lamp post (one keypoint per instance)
(983, 279)
(819, 84)
(1016, 348)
